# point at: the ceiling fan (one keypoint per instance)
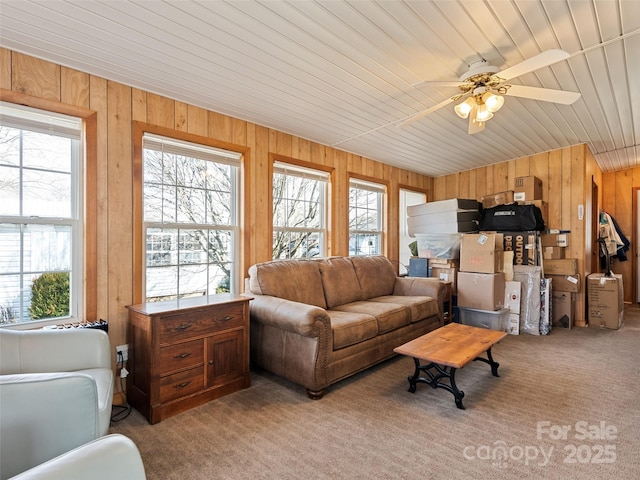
(484, 87)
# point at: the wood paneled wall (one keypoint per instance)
(566, 176)
(117, 106)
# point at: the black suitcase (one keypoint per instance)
(512, 217)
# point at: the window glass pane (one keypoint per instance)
(46, 194)
(191, 205)
(46, 151)
(9, 190)
(9, 146)
(47, 248)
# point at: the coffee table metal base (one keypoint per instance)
(435, 373)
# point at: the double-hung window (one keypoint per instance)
(190, 219)
(41, 207)
(299, 211)
(366, 217)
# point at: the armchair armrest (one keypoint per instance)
(295, 317)
(112, 457)
(44, 415)
(34, 351)
(429, 286)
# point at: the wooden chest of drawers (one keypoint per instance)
(186, 352)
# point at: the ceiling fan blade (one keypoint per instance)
(450, 83)
(475, 127)
(426, 112)
(543, 59)
(544, 94)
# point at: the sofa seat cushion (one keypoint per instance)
(421, 307)
(349, 328)
(339, 281)
(389, 315)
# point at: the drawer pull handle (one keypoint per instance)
(183, 355)
(227, 318)
(184, 326)
(182, 385)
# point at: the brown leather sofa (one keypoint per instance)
(315, 322)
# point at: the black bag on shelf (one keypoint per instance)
(512, 217)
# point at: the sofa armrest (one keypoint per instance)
(35, 351)
(295, 317)
(425, 286)
(44, 415)
(111, 457)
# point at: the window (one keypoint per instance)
(299, 212)
(41, 233)
(190, 219)
(407, 199)
(366, 210)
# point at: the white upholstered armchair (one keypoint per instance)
(56, 391)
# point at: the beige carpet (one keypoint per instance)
(583, 380)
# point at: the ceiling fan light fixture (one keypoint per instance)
(482, 113)
(493, 102)
(464, 108)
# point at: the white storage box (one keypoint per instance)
(492, 319)
(438, 245)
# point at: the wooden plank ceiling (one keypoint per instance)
(342, 73)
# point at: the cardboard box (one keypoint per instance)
(481, 253)
(483, 291)
(563, 308)
(565, 266)
(513, 327)
(524, 246)
(566, 283)
(555, 239)
(512, 296)
(527, 188)
(452, 204)
(553, 253)
(447, 275)
(605, 297)
(500, 198)
(445, 262)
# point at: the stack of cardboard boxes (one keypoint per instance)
(481, 281)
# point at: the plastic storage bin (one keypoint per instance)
(494, 320)
(438, 245)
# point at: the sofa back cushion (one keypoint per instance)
(339, 281)
(375, 275)
(295, 280)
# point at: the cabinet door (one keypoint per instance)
(225, 358)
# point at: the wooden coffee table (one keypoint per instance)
(447, 349)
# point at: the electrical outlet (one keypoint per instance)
(125, 353)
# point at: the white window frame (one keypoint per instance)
(47, 122)
(170, 145)
(282, 168)
(381, 191)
